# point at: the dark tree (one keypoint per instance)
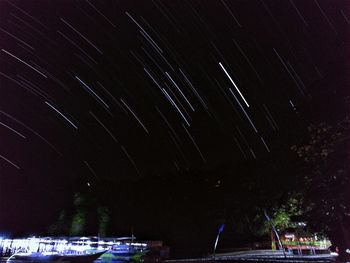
(324, 180)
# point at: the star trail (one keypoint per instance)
(131, 88)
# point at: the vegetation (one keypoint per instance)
(185, 209)
(324, 180)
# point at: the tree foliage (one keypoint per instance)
(324, 179)
(282, 216)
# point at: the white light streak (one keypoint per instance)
(25, 63)
(144, 31)
(291, 103)
(234, 84)
(103, 126)
(134, 114)
(149, 74)
(62, 115)
(98, 11)
(74, 44)
(263, 141)
(18, 39)
(245, 113)
(345, 17)
(92, 92)
(285, 66)
(131, 160)
(180, 91)
(13, 130)
(270, 117)
(153, 44)
(31, 130)
(174, 104)
(194, 90)
(91, 170)
(229, 10)
(81, 35)
(300, 15)
(7, 160)
(194, 143)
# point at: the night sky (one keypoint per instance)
(99, 89)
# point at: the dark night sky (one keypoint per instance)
(99, 89)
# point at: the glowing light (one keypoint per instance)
(234, 84)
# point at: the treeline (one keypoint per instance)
(184, 209)
(310, 181)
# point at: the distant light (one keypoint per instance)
(289, 236)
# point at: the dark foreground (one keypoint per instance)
(201, 260)
(211, 260)
(258, 256)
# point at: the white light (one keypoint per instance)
(234, 84)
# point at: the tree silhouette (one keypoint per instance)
(324, 180)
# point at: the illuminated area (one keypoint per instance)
(79, 245)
